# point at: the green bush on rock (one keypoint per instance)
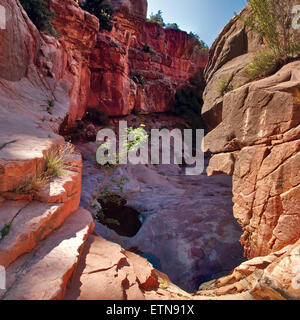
(102, 10)
(272, 20)
(263, 64)
(40, 15)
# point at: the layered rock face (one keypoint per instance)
(139, 65)
(42, 80)
(77, 31)
(48, 231)
(46, 226)
(255, 137)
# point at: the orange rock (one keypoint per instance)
(44, 273)
(127, 76)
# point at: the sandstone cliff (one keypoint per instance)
(255, 138)
(43, 81)
(139, 65)
(255, 134)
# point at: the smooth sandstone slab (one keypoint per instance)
(43, 274)
(32, 224)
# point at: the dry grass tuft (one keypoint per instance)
(53, 168)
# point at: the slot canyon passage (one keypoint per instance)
(232, 232)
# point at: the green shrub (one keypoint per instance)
(188, 105)
(264, 63)
(54, 167)
(31, 185)
(54, 164)
(135, 112)
(50, 105)
(198, 43)
(102, 10)
(172, 26)
(40, 15)
(272, 20)
(138, 79)
(188, 102)
(157, 18)
(225, 85)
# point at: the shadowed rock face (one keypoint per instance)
(40, 68)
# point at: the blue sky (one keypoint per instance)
(204, 17)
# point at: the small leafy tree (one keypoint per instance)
(138, 138)
(157, 18)
(102, 10)
(198, 43)
(272, 20)
(40, 15)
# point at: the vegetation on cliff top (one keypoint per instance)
(102, 10)
(272, 20)
(158, 18)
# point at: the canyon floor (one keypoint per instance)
(188, 230)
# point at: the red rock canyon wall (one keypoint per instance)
(119, 56)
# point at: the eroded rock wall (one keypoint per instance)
(42, 79)
(125, 76)
(255, 136)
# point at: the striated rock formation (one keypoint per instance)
(273, 277)
(139, 65)
(260, 126)
(255, 137)
(40, 83)
(77, 31)
(42, 80)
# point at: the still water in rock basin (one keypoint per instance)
(188, 230)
